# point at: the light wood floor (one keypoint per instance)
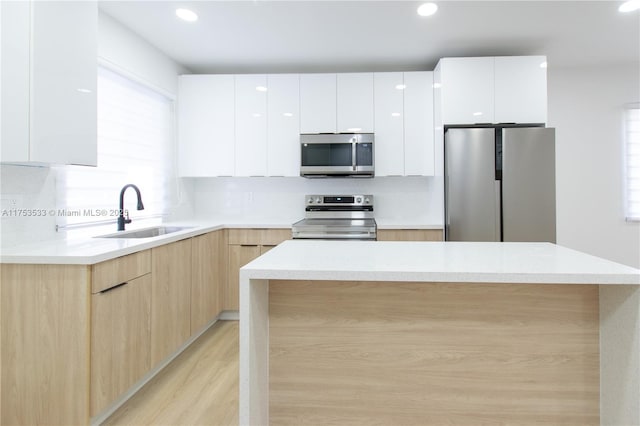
(200, 387)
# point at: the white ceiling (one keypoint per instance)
(337, 36)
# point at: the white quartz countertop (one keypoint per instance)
(90, 250)
(542, 263)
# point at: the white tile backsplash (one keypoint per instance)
(26, 190)
(402, 199)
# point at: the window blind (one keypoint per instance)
(135, 133)
(632, 162)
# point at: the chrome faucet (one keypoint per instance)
(121, 218)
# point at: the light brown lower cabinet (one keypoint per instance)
(170, 298)
(239, 255)
(244, 246)
(209, 266)
(45, 318)
(120, 340)
(410, 235)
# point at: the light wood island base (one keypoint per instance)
(391, 353)
(434, 333)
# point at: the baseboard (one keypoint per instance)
(229, 316)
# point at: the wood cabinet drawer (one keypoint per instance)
(410, 235)
(259, 236)
(273, 237)
(120, 270)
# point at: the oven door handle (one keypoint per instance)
(326, 236)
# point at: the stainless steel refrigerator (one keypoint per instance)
(500, 184)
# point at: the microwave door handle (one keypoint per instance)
(353, 154)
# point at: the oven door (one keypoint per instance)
(335, 229)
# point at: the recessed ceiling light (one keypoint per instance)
(186, 15)
(477, 113)
(261, 88)
(395, 114)
(401, 86)
(629, 6)
(257, 114)
(427, 9)
(437, 85)
(543, 65)
(287, 114)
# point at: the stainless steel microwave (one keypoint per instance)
(337, 154)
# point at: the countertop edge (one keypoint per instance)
(442, 277)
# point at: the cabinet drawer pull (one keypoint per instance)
(113, 288)
(248, 245)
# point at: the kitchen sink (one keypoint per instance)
(147, 232)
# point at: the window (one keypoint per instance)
(135, 133)
(632, 161)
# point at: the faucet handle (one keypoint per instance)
(126, 215)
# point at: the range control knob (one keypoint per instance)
(358, 200)
(310, 201)
(318, 200)
(367, 201)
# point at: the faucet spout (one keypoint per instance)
(121, 219)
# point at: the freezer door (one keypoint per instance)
(529, 184)
(471, 191)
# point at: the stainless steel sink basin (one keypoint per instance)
(147, 232)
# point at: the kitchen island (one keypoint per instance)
(437, 333)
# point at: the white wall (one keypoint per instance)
(585, 107)
(35, 187)
(123, 48)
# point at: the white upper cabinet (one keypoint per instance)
(509, 89)
(317, 103)
(389, 123)
(283, 125)
(206, 125)
(49, 82)
(404, 124)
(418, 124)
(520, 89)
(251, 125)
(467, 90)
(355, 102)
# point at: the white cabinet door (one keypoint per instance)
(206, 125)
(15, 27)
(60, 63)
(283, 125)
(389, 123)
(467, 90)
(318, 103)
(251, 125)
(418, 124)
(520, 89)
(64, 82)
(355, 102)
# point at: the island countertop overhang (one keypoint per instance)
(470, 262)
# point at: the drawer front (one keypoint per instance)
(273, 237)
(410, 235)
(259, 236)
(120, 270)
(244, 236)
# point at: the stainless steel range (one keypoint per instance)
(337, 217)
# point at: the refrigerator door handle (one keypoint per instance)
(498, 198)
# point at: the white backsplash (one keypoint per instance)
(26, 190)
(411, 200)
